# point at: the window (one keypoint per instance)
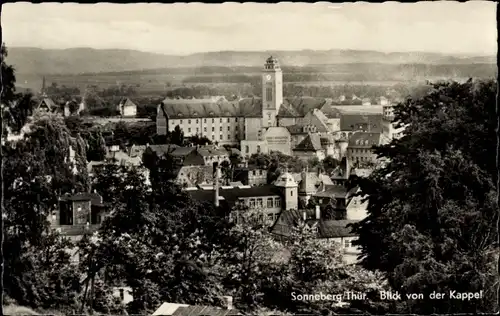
(270, 203)
(213, 137)
(204, 120)
(291, 193)
(258, 148)
(197, 121)
(221, 137)
(253, 172)
(213, 120)
(197, 130)
(220, 128)
(213, 129)
(247, 149)
(228, 120)
(205, 129)
(347, 243)
(236, 119)
(270, 217)
(259, 202)
(189, 130)
(269, 94)
(260, 172)
(221, 120)
(180, 121)
(189, 121)
(229, 128)
(252, 203)
(277, 202)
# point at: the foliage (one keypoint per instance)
(276, 162)
(177, 136)
(329, 164)
(432, 209)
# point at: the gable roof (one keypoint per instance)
(312, 142)
(329, 110)
(126, 102)
(296, 129)
(49, 103)
(289, 219)
(312, 181)
(213, 107)
(160, 150)
(299, 106)
(352, 122)
(364, 140)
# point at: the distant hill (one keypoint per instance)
(36, 61)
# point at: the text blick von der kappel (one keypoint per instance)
(453, 295)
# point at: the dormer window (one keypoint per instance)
(195, 114)
(211, 113)
(180, 115)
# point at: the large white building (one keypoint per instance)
(271, 122)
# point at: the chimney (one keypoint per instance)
(216, 184)
(318, 212)
(228, 302)
(304, 216)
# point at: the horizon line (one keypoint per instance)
(467, 54)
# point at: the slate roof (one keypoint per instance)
(95, 198)
(172, 309)
(326, 228)
(195, 108)
(231, 196)
(364, 140)
(352, 122)
(312, 142)
(160, 150)
(299, 106)
(182, 151)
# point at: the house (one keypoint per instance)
(271, 199)
(309, 183)
(123, 293)
(341, 174)
(328, 230)
(174, 309)
(192, 176)
(127, 108)
(205, 156)
(366, 102)
(78, 214)
(309, 148)
(360, 148)
(299, 132)
(250, 175)
(350, 123)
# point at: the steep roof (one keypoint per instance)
(299, 106)
(364, 140)
(326, 228)
(296, 129)
(160, 150)
(312, 181)
(330, 110)
(312, 142)
(201, 108)
(126, 102)
(352, 122)
(49, 103)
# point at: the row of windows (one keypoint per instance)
(247, 149)
(362, 151)
(213, 120)
(260, 172)
(259, 202)
(213, 129)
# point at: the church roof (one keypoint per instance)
(312, 142)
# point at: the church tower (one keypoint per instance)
(272, 91)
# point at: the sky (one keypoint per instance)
(449, 27)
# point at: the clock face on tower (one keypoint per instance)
(268, 77)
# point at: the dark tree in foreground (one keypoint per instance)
(432, 210)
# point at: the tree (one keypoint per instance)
(329, 164)
(432, 209)
(177, 136)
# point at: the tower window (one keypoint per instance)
(269, 94)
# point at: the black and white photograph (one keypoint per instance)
(195, 159)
